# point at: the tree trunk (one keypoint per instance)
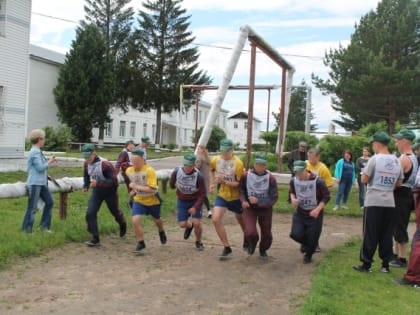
(158, 126)
(391, 121)
(101, 136)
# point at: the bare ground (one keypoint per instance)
(169, 279)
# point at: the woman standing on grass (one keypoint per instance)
(344, 173)
(37, 184)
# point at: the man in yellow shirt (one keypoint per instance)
(318, 168)
(225, 172)
(144, 187)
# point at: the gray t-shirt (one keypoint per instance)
(383, 170)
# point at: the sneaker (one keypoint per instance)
(303, 249)
(362, 268)
(140, 246)
(245, 245)
(123, 229)
(227, 252)
(335, 208)
(345, 207)
(398, 263)
(199, 246)
(188, 231)
(384, 269)
(209, 214)
(264, 255)
(93, 243)
(307, 259)
(404, 281)
(317, 249)
(251, 249)
(162, 236)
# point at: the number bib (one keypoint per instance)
(258, 186)
(140, 178)
(186, 183)
(306, 193)
(387, 172)
(226, 170)
(95, 170)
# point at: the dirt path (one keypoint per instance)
(169, 279)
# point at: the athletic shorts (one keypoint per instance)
(139, 209)
(183, 207)
(234, 205)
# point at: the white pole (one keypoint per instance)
(223, 87)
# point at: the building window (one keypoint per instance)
(2, 17)
(245, 125)
(133, 129)
(108, 130)
(153, 131)
(122, 128)
(235, 125)
(144, 129)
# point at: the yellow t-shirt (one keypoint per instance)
(321, 170)
(231, 170)
(145, 176)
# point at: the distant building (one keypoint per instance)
(237, 129)
(15, 17)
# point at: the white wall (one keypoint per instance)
(14, 48)
(237, 131)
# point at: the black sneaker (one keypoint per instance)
(227, 252)
(398, 263)
(303, 249)
(251, 249)
(362, 268)
(93, 242)
(307, 259)
(403, 281)
(140, 246)
(263, 255)
(123, 229)
(162, 236)
(245, 245)
(188, 231)
(199, 246)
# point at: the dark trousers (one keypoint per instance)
(343, 190)
(413, 269)
(362, 191)
(404, 204)
(377, 230)
(111, 199)
(264, 218)
(306, 230)
(206, 202)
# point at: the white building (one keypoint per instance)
(237, 129)
(15, 17)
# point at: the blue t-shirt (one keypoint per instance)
(347, 171)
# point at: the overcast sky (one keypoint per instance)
(301, 31)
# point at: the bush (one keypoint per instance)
(56, 139)
(216, 135)
(171, 145)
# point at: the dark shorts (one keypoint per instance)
(183, 207)
(139, 209)
(404, 204)
(234, 205)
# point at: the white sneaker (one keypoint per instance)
(209, 214)
(335, 208)
(345, 207)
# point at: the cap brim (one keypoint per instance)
(299, 169)
(86, 155)
(225, 148)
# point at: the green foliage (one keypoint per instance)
(216, 135)
(293, 138)
(369, 129)
(85, 84)
(271, 138)
(272, 163)
(57, 138)
(165, 58)
(171, 146)
(376, 77)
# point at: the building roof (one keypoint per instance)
(51, 56)
(242, 115)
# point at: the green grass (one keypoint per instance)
(338, 289)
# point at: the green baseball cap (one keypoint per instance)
(138, 152)
(382, 137)
(189, 159)
(87, 150)
(299, 166)
(260, 159)
(129, 142)
(226, 145)
(405, 134)
(146, 139)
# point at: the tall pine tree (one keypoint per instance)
(377, 76)
(165, 60)
(85, 84)
(115, 20)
